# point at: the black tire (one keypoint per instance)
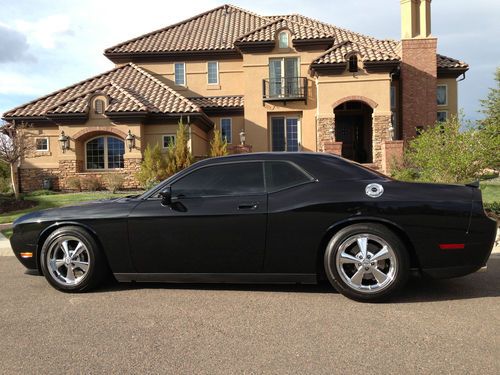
(339, 274)
(97, 268)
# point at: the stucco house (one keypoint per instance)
(285, 82)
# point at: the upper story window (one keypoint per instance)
(283, 40)
(442, 95)
(353, 63)
(42, 144)
(393, 97)
(180, 73)
(226, 130)
(104, 153)
(220, 180)
(168, 140)
(213, 72)
(99, 106)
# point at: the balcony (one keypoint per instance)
(284, 89)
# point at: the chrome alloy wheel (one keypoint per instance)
(68, 260)
(366, 263)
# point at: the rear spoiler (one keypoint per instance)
(474, 184)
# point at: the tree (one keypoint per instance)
(15, 144)
(445, 153)
(218, 146)
(178, 155)
(490, 125)
(153, 167)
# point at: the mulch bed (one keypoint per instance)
(9, 205)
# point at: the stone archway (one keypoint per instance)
(95, 130)
(355, 98)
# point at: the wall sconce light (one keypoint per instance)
(243, 137)
(332, 133)
(63, 141)
(130, 140)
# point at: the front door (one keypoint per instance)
(349, 131)
(217, 223)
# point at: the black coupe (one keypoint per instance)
(265, 217)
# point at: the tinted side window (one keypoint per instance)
(224, 179)
(280, 175)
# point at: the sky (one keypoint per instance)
(46, 45)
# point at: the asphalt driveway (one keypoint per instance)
(447, 326)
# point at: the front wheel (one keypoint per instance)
(367, 262)
(71, 260)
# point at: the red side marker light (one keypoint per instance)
(451, 246)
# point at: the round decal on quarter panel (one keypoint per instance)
(374, 190)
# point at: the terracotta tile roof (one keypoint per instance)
(215, 29)
(299, 31)
(448, 62)
(218, 101)
(130, 88)
(338, 53)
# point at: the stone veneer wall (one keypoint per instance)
(32, 178)
(381, 125)
(325, 126)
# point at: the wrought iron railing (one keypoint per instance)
(288, 88)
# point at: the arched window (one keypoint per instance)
(283, 39)
(99, 106)
(353, 63)
(104, 152)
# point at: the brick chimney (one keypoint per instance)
(418, 67)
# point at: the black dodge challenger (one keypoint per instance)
(265, 217)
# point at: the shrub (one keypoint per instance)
(178, 155)
(91, 183)
(114, 182)
(218, 146)
(492, 209)
(74, 183)
(153, 167)
(5, 185)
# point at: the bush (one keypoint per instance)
(447, 154)
(178, 155)
(74, 183)
(492, 209)
(153, 167)
(91, 183)
(114, 182)
(218, 146)
(5, 185)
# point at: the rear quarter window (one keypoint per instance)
(282, 174)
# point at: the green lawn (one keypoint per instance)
(58, 200)
(491, 190)
(7, 232)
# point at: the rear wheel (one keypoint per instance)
(71, 260)
(367, 262)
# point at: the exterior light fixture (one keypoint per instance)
(243, 137)
(63, 141)
(130, 140)
(332, 132)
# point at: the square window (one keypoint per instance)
(168, 140)
(180, 74)
(442, 116)
(442, 95)
(213, 72)
(42, 144)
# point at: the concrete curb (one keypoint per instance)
(5, 249)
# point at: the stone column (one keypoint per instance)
(132, 165)
(381, 124)
(325, 131)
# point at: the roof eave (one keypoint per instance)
(125, 57)
(451, 72)
(313, 44)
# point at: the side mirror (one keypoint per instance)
(166, 196)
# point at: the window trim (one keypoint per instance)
(48, 144)
(105, 153)
(167, 135)
(280, 46)
(262, 162)
(446, 94)
(208, 75)
(299, 131)
(230, 128)
(184, 76)
(446, 119)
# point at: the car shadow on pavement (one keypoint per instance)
(478, 285)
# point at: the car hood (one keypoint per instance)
(107, 208)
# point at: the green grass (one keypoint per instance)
(7, 232)
(57, 200)
(491, 190)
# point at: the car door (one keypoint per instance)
(215, 224)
